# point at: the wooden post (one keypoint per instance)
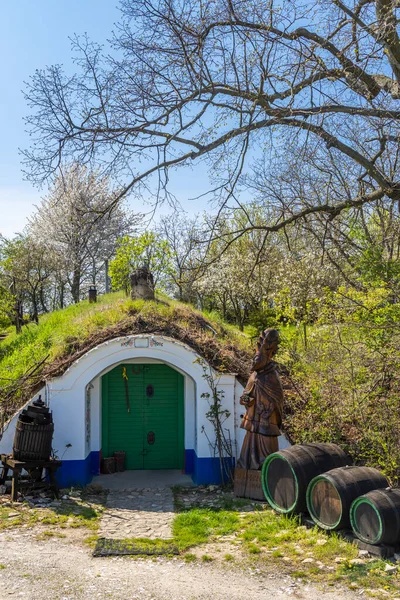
(14, 483)
(106, 275)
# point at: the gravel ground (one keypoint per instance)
(64, 569)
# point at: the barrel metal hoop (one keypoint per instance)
(309, 491)
(264, 483)
(355, 504)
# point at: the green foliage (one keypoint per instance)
(10, 252)
(347, 378)
(133, 252)
(7, 301)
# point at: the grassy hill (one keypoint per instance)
(44, 351)
(350, 398)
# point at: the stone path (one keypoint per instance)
(145, 513)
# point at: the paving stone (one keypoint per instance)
(140, 514)
(390, 568)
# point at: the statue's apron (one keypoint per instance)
(263, 417)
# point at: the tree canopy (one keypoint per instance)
(228, 82)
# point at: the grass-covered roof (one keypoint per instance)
(42, 352)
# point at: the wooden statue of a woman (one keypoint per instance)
(263, 399)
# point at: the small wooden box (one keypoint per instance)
(247, 484)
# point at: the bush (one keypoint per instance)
(346, 381)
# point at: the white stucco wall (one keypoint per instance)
(68, 395)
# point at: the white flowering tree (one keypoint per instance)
(240, 280)
(74, 223)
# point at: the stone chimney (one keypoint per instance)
(142, 284)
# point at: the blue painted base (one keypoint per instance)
(190, 459)
(78, 472)
(206, 471)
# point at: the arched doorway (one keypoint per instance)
(143, 415)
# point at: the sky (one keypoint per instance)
(35, 34)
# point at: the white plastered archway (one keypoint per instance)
(68, 394)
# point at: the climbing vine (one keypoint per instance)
(217, 415)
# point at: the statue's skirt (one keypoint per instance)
(255, 449)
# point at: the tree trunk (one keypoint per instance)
(42, 301)
(19, 316)
(62, 292)
(35, 315)
(76, 283)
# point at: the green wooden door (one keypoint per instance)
(142, 415)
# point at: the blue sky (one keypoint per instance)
(35, 34)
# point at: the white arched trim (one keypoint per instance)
(104, 357)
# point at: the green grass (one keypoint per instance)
(45, 535)
(287, 537)
(207, 558)
(138, 546)
(65, 516)
(189, 557)
(198, 526)
(91, 540)
(269, 538)
(55, 331)
(371, 577)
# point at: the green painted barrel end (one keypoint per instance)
(264, 482)
(310, 508)
(353, 508)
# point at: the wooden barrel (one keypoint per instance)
(329, 496)
(32, 441)
(287, 473)
(375, 517)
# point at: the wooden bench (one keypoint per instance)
(35, 480)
